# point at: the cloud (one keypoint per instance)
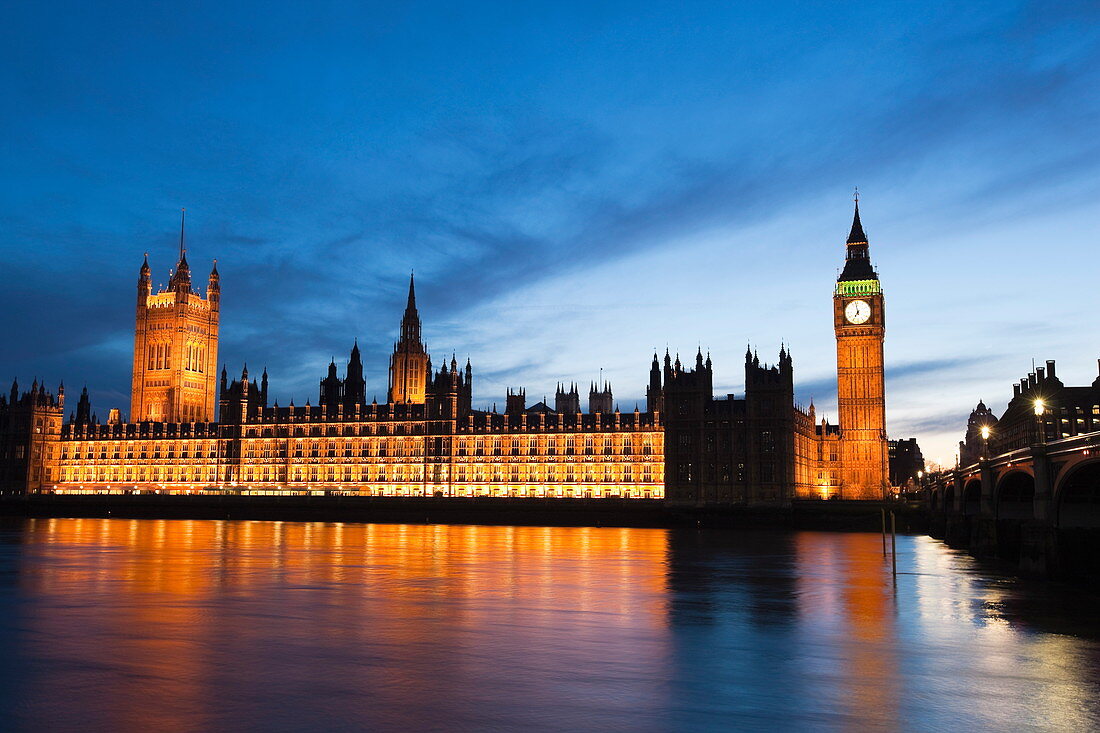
(316, 224)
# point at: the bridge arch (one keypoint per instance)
(1014, 496)
(1078, 496)
(949, 497)
(972, 496)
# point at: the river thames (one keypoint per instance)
(141, 625)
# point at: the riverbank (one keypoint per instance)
(815, 515)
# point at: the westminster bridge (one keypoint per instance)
(1038, 505)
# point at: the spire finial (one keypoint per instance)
(856, 236)
(183, 242)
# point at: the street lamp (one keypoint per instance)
(1040, 407)
(985, 431)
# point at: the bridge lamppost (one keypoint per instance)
(1040, 408)
(1041, 466)
(985, 472)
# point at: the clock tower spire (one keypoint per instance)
(859, 321)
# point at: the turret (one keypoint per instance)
(83, 408)
(600, 400)
(654, 395)
(466, 394)
(145, 282)
(515, 402)
(786, 366)
(355, 386)
(567, 402)
(331, 388)
(214, 288)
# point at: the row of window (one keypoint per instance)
(567, 473)
(710, 442)
(567, 445)
(687, 472)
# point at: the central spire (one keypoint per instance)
(410, 322)
(181, 278)
(856, 236)
(183, 241)
(410, 367)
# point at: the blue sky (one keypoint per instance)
(574, 184)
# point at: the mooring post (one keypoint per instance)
(883, 510)
(894, 544)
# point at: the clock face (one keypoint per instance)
(858, 311)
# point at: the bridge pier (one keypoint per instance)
(956, 530)
(937, 525)
(1044, 490)
(983, 536)
(1039, 550)
(986, 472)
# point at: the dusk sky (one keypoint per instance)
(575, 185)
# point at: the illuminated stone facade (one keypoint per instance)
(175, 347)
(859, 319)
(688, 447)
(409, 364)
(382, 450)
(426, 441)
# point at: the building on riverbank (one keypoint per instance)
(688, 447)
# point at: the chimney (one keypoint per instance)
(1040, 374)
(1015, 390)
(1050, 368)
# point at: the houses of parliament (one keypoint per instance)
(192, 430)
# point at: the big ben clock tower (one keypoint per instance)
(859, 320)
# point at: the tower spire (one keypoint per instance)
(856, 236)
(410, 322)
(183, 240)
(410, 366)
(857, 264)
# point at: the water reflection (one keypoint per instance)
(171, 625)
